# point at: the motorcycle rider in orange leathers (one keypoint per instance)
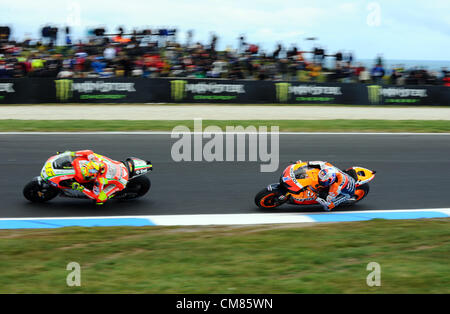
(341, 186)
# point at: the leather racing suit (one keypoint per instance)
(103, 188)
(342, 189)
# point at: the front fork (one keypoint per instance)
(281, 193)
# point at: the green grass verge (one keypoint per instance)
(284, 125)
(324, 258)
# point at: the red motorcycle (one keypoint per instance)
(57, 176)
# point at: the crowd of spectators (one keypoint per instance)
(147, 55)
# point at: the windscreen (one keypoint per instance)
(63, 162)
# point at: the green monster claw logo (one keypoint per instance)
(282, 91)
(374, 92)
(178, 89)
(63, 89)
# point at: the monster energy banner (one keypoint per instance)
(179, 90)
(407, 95)
(93, 91)
(207, 91)
(315, 93)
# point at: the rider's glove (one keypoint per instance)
(324, 203)
(77, 186)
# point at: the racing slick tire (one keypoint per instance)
(137, 187)
(38, 193)
(267, 199)
(360, 193)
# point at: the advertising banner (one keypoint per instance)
(179, 90)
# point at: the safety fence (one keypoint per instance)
(180, 90)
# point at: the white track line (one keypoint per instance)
(288, 217)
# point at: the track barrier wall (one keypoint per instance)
(181, 90)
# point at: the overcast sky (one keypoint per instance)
(399, 29)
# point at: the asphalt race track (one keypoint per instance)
(413, 172)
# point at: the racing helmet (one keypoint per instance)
(327, 177)
(91, 169)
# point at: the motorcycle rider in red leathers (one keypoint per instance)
(90, 167)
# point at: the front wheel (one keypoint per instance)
(36, 192)
(268, 199)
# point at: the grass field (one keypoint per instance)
(284, 125)
(323, 258)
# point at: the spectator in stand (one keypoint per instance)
(395, 75)
(379, 60)
(338, 57)
(349, 58)
(219, 69)
(4, 71)
(283, 69)
(65, 73)
(143, 55)
(314, 71)
(98, 65)
(358, 69)
(109, 53)
(347, 73)
(445, 76)
(446, 79)
(277, 51)
(377, 74)
(364, 75)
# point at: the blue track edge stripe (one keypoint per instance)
(87, 222)
(41, 223)
(338, 217)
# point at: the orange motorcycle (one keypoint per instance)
(299, 186)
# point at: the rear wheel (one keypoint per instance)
(360, 193)
(38, 193)
(268, 199)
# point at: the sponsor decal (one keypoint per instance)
(306, 92)
(204, 91)
(7, 87)
(403, 92)
(373, 92)
(377, 94)
(177, 89)
(282, 91)
(102, 87)
(65, 89)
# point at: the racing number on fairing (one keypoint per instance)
(49, 170)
